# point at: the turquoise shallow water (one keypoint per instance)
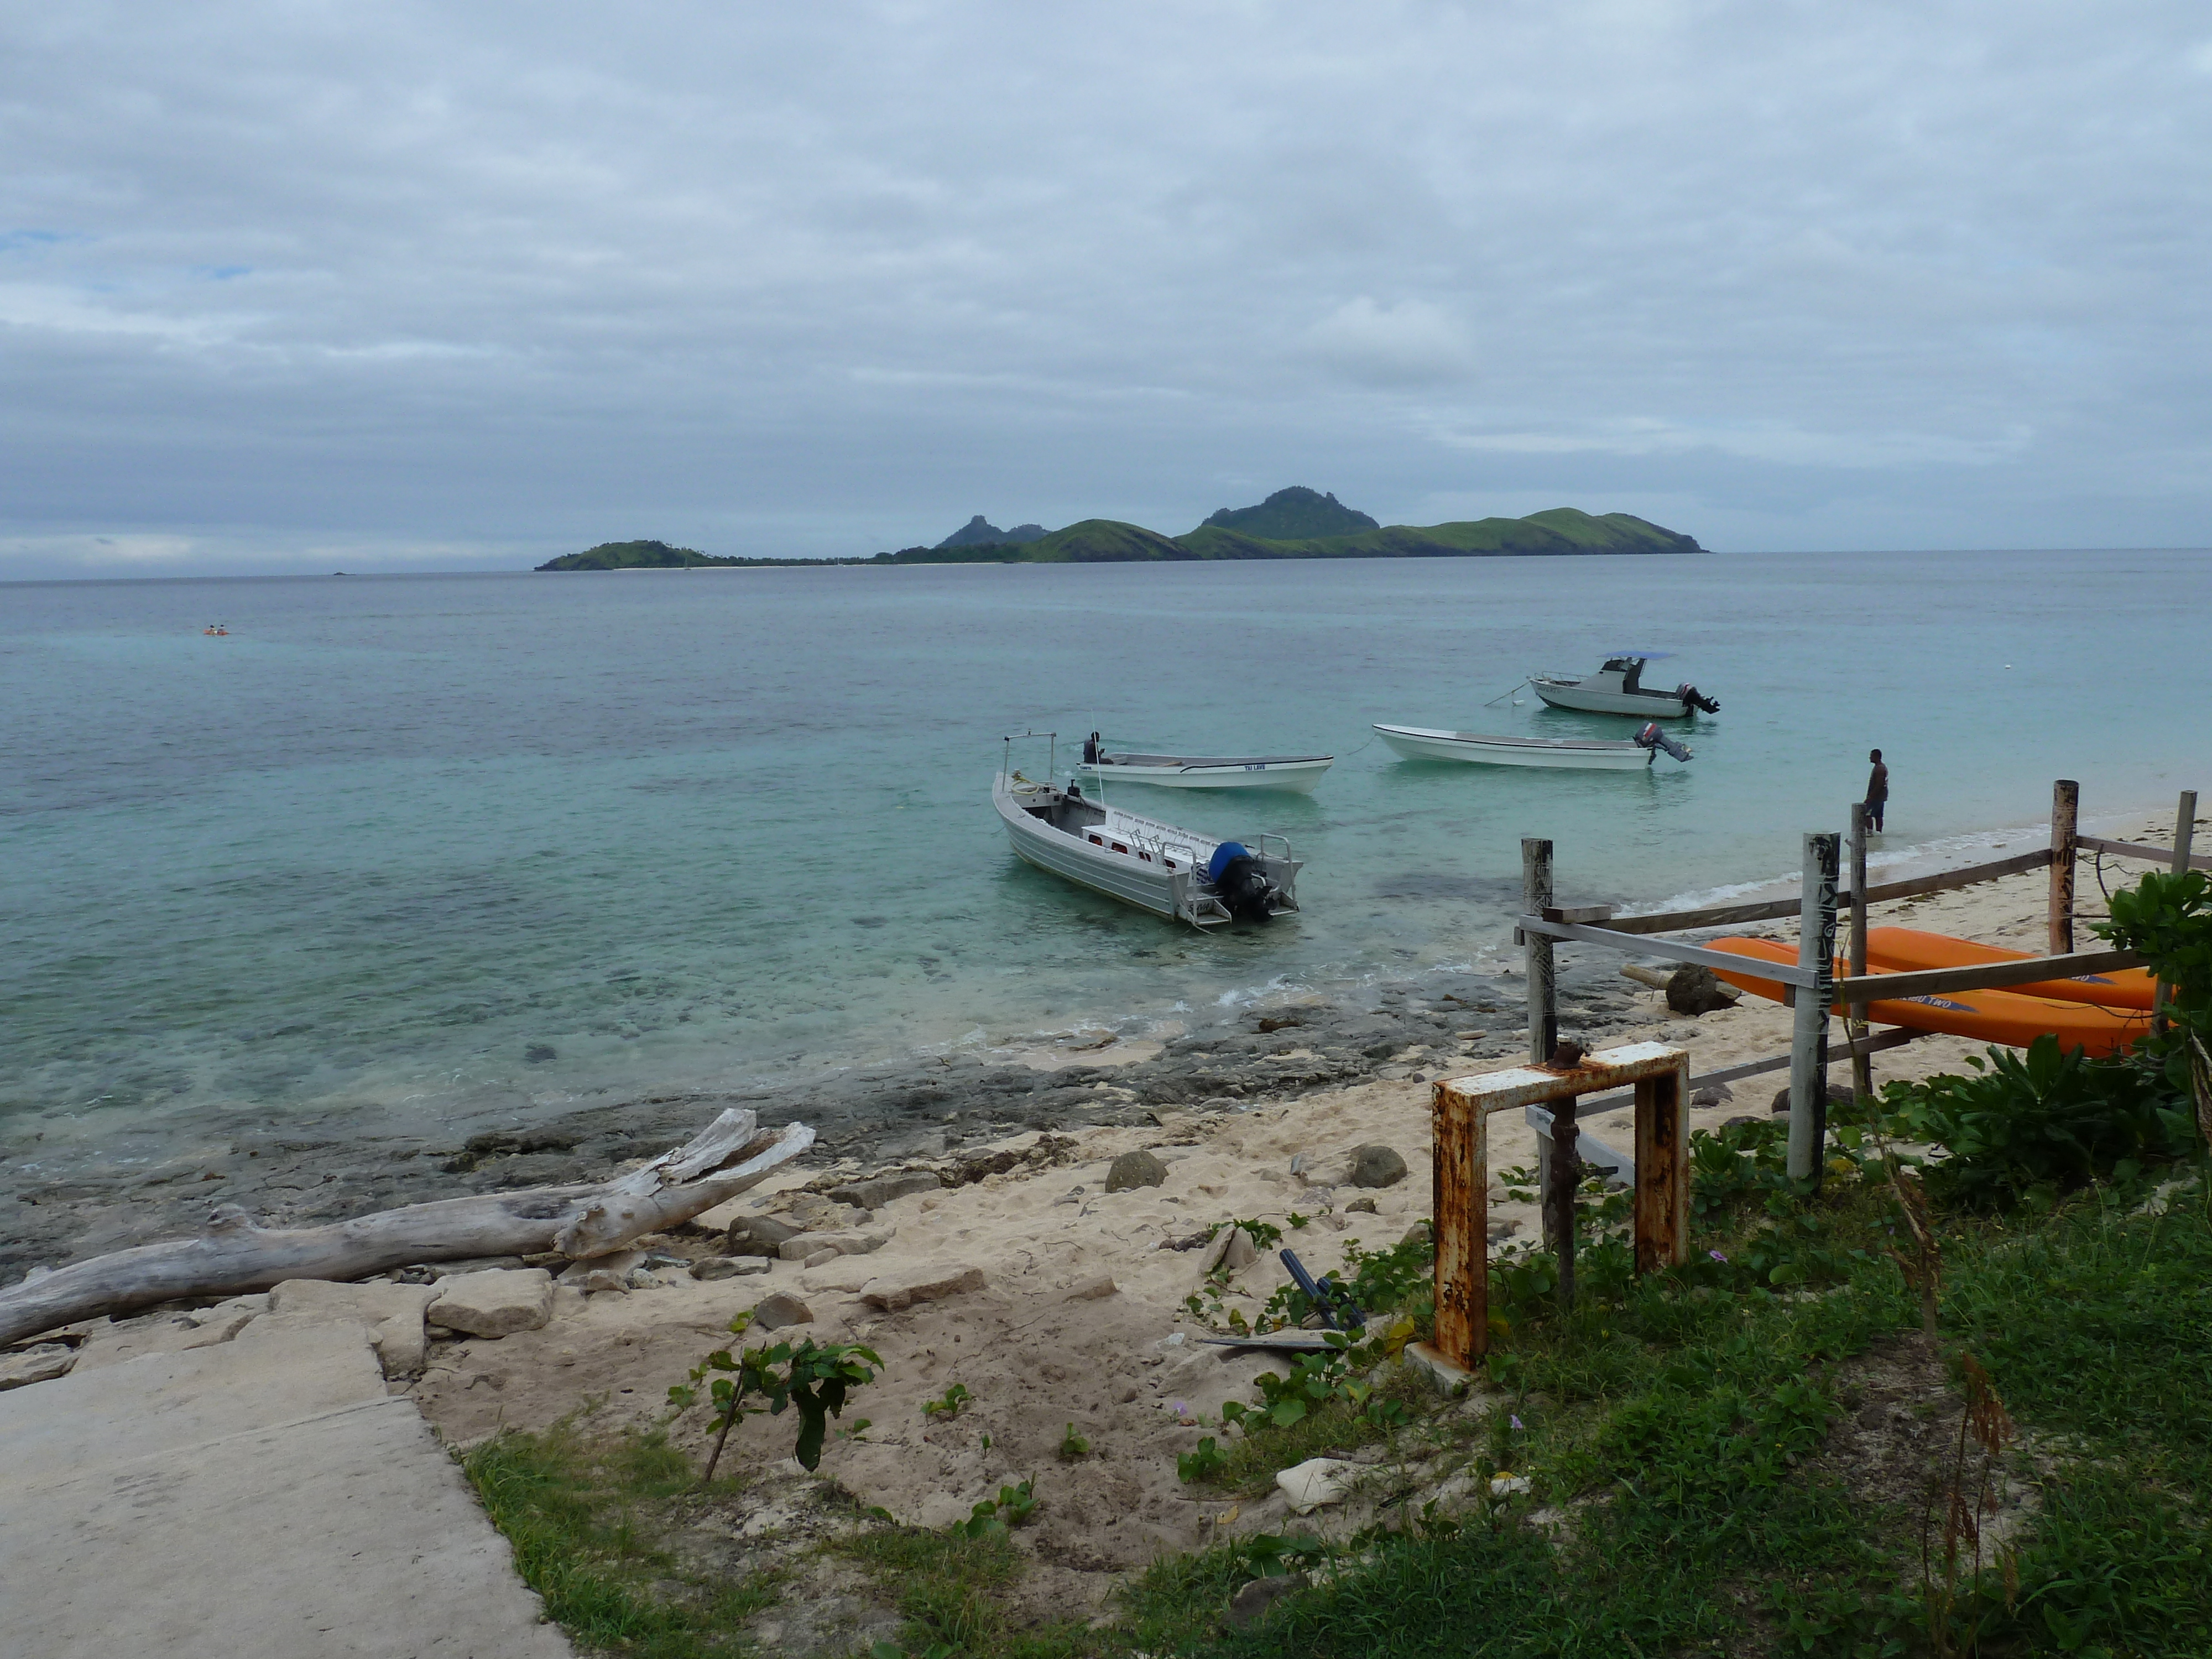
(444, 847)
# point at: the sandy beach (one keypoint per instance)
(1068, 1302)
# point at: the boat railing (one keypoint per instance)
(1284, 842)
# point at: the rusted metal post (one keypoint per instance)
(1662, 1170)
(1461, 1222)
(2065, 816)
(1809, 1049)
(1560, 1194)
(2185, 834)
(1856, 1020)
(1543, 991)
(1460, 1114)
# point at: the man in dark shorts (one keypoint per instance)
(1877, 794)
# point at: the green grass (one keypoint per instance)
(581, 1514)
(1678, 1426)
(1674, 1423)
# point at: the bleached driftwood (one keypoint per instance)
(235, 1256)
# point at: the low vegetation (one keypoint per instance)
(1954, 1399)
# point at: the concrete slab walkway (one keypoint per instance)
(262, 1499)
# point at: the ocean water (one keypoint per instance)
(456, 848)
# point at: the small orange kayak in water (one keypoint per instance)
(2001, 1017)
(1906, 948)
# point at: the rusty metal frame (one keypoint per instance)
(1463, 1107)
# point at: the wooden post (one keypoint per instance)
(1461, 1223)
(2185, 834)
(1855, 1022)
(1558, 1197)
(1809, 1049)
(1662, 1170)
(2065, 814)
(1543, 997)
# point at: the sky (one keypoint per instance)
(304, 286)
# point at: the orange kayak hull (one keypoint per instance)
(2001, 1017)
(1908, 948)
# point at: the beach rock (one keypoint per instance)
(1694, 990)
(42, 1363)
(165, 1334)
(1134, 1170)
(495, 1303)
(806, 1246)
(922, 1283)
(1416, 1234)
(600, 1278)
(620, 1263)
(822, 1258)
(1091, 1290)
(1713, 1094)
(392, 1313)
(879, 1190)
(1360, 1206)
(722, 1267)
(1232, 1250)
(774, 1312)
(1377, 1166)
(758, 1234)
(1253, 1599)
(1314, 1483)
(1838, 1095)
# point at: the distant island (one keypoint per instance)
(1292, 524)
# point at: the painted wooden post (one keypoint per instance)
(1543, 991)
(1809, 1049)
(2065, 815)
(1861, 1062)
(1662, 1170)
(2185, 835)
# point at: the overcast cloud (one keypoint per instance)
(299, 286)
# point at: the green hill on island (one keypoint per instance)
(1292, 515)
(1331, 530)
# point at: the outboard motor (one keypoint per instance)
(1693, 698)
(1239, 882)
(1652, 738)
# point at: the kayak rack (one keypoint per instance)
(1558, 1073)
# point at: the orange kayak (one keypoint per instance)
(1985, 1016)
(1907, 948)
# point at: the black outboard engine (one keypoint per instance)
(1239, 882)
(1693, 698)
(1652, 738)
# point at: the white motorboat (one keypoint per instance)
(1155, 867)
(1293, 772)
(1618, 689)
(1576, 754)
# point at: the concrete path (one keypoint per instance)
(262, 1499)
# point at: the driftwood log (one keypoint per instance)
(235, 1256)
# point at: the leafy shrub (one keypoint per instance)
(2040, 1125)
(815, 1378)
(1202, 1464)
(950, 1404)
(993, 1515)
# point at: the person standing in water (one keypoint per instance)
(1877, 794)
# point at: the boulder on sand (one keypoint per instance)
(1695, 990)
(782, 1309)
(893, 1292)
(1134, 1170)
(393, 1314)
(1377, 1165)
(495, 1303)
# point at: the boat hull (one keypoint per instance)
(1648, 706)
(1179, 894)
(1298, 776)
(1557, 754)
(1908, 948)
(1985, 1016)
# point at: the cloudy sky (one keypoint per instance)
(306, 286)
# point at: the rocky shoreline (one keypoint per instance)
(317, 1168)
